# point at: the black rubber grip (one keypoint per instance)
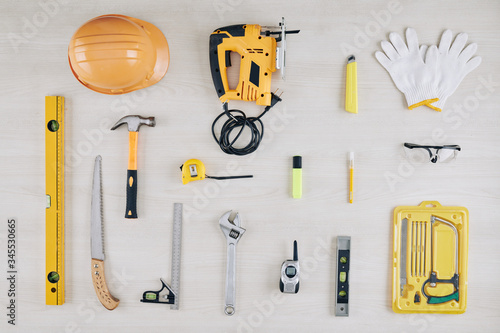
(215, 40)
(131, 212)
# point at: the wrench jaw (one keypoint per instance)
(231, 229)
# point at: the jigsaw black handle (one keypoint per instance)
(217, 38)
(131, 211)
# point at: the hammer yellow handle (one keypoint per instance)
(132, 150)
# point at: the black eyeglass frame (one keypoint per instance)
(433, 157)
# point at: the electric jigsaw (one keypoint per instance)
(260, 57)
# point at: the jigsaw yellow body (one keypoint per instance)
(258, 62)
(260, 57)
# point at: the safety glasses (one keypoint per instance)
(420, 153)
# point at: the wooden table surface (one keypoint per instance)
(310, 122)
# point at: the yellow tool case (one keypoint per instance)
(430, 259)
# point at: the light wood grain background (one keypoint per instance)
(310, 122)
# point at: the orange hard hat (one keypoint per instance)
(117, 54)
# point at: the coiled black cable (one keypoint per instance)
(238, 119)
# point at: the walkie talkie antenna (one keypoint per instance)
(295, 251)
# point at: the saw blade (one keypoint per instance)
(96, 216)
(403, 254)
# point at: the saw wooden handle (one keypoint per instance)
(101, 289)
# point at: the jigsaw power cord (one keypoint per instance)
(238, 119)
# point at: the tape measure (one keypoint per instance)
(54, 215)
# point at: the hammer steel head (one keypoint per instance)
(134, 122)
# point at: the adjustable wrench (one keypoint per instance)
(233, 233)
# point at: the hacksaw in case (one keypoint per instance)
(430, 247)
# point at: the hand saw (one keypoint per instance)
(260, 57)
(97, 241)
(54, 214)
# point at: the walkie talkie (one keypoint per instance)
(290, 272)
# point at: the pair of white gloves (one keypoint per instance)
(427, 75)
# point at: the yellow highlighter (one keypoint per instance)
(351, 174)
(297, 177)
(351, 85)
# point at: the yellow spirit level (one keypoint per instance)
(54, 216)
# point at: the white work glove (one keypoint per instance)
(453, 64)
(413, 76)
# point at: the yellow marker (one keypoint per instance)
(297, 177)
(351, 85)
(54, 216)
(351, 171)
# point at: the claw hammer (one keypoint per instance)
(134, 123)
